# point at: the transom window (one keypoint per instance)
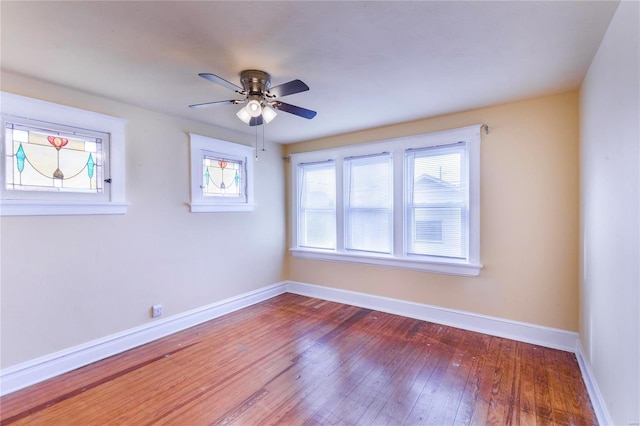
(59, 160)
(318, 205)
(53, 160)
(410, 203)
(221, 175)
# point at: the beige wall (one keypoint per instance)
(529, 219)
(610, 212)
(70, 279)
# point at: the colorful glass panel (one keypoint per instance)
(39, 159)
(222, 177)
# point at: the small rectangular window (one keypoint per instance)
(59, 160)
(221, 175)
(317, 211)
(368, 203)
(50, 158)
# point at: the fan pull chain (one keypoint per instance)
(256, 143)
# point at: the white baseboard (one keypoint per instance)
(524, 332)
(46, 367)
(589, 379)
(38, 370)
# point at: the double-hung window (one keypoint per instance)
(368, 205)
(318, 205)
(410, 203)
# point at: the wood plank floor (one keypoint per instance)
(295, 360)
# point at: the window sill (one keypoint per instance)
(44, 208)
(451, 267)
(212, 208)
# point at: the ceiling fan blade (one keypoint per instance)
(294, 86)
(296, 110)
(209, 104)
(221, 81)
(256, 121)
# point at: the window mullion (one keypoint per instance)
(398, 204)
(340, 205)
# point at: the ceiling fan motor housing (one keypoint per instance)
(255, 82)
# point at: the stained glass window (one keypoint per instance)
(222, 177)
(50, 159)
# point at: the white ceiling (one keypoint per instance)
(368, 64)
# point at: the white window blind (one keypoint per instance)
(368, 203)
(317, 209)
(437, 201)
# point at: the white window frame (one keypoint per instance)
(24, 110)
(469, 266)
(203, 146)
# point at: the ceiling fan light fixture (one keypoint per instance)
(254, 108)
(268, 114)
(244, 115)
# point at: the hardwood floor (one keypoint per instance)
(298, 360)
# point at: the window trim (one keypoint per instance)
(21, 108)
(466, 267)
(201, 146)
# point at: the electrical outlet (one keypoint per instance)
(156, 311)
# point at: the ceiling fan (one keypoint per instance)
(259, 97)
